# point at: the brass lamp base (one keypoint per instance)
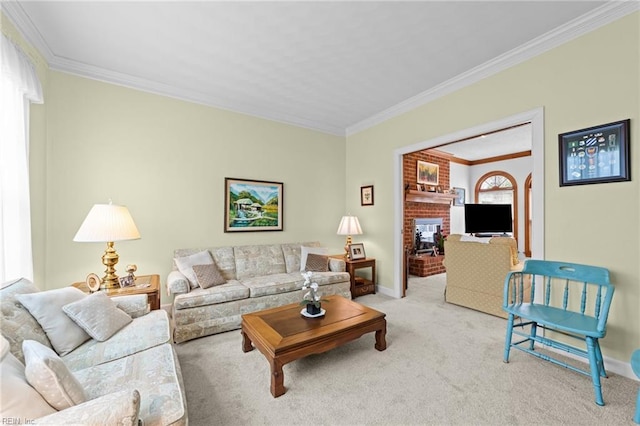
(346, 247)
(110, 259)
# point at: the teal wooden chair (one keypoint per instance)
(635, 365)
(574, 301)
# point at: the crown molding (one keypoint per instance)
(609, 12)
(584, 24)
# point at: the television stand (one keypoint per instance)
(491, 234)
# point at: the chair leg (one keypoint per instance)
(595, 370)
(507, 340)
(603, 372)
(533, 332)
(636, 418)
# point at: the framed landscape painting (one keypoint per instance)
(252, 205)
(427, 173)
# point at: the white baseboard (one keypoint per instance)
(611, 365)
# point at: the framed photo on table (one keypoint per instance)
(598, 154)
(356, 251)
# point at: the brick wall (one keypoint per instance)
(414, 210)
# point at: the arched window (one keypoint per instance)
(499, 187)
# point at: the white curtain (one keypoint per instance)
(19, 85)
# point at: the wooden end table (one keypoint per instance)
(283, 335)
(145, 284)
(360, 285)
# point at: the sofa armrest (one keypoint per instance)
(177, 283)
(117, 408)
(337, 265)
(136, 305)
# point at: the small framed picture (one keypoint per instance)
(431, 188)
(439, 189)
(126, 281)
(356, 251)
(366, 195)
(460, 196)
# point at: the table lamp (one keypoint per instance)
(107, 223)
(349, 226)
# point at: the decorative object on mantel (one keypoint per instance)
(311, 300)
(366, 195)
(107, 223)
(598, 154)
(349, 225)
(427, 173)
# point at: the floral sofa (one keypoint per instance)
(129, 376)
(248, 279)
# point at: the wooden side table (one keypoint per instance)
(360, 285)
(145, 284)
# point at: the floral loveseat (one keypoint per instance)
(246, 279)
(131, 375)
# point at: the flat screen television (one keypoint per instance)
(487, 218)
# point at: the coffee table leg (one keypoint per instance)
(381, 341)
(277, 379)
(246, 343)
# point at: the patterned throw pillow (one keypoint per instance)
(185, 265)
(317, 263)
(49, 375)
(98, 315)
(208, 275)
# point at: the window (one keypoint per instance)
(499, 188)
(19, 85)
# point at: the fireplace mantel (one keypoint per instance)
(429, 197)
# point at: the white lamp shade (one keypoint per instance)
(107, 223)
(349, 225)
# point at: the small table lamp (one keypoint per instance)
(349, 226)
(107, 223)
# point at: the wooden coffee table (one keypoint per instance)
(283, 335)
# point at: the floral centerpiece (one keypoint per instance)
(439, 240)
(311, 298)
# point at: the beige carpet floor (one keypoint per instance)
(443, 366)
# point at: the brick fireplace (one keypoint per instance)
(424, 264)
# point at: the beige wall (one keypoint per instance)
(589, 81)
(166, 160)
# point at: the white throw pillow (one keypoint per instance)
(19, 399)
(185, 265)
(304, 251)
(49, 375)
(46, 307)
(98, 315)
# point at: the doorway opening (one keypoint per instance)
(536, 118)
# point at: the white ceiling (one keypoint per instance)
(336, 67)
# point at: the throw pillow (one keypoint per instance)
(305, 251)
(46, 307)
(317, 263)
(49, 375)
(185, 265)
(98, 315)
(208, 275)
(19, 399)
